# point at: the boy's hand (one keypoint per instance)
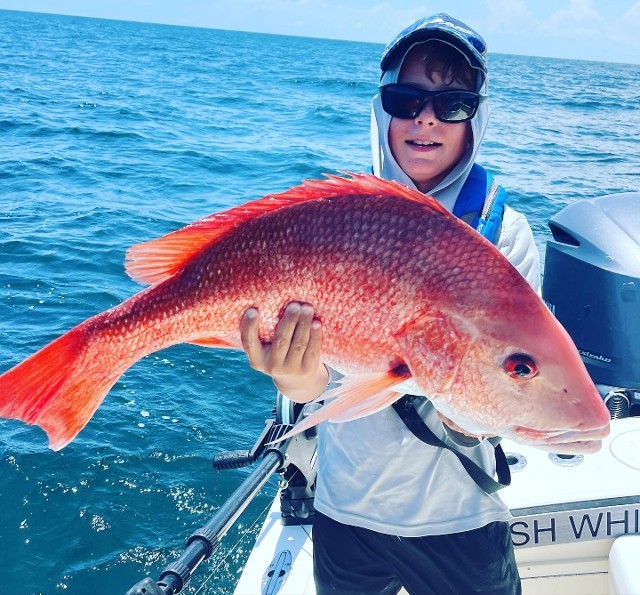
(292, 359)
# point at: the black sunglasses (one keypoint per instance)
(406, 101)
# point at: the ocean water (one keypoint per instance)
(114, 133)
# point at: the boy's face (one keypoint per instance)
(425, 148)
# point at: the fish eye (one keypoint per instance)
(520, 366)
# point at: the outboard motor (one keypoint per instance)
(592, 285)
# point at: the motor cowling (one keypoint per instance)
(592, 285)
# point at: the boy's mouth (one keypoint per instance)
(423, 144)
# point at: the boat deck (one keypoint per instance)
(567, 515)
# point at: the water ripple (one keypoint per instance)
(115, 133)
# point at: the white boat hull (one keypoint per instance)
(567, 517)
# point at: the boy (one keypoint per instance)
(392, 511)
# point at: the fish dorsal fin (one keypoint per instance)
(154, 261)
(364, 184)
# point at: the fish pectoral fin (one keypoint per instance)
(356, 397)
(369, 406)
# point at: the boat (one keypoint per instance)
(576, 518)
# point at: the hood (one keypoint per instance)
(473, 47)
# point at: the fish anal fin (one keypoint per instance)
(356, 397)
(215, 342)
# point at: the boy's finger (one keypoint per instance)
(249, 336)
(311, 357)
(300, 339)
(284, 332)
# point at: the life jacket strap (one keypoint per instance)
(481, 203)
(405, 408)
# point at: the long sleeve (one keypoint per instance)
(517, 244)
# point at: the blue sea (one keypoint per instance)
(115, 133)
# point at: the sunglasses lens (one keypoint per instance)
(456, 106)
(403, 101)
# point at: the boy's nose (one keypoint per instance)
(427, 112)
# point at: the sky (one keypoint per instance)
(602, 30)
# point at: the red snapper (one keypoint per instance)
(410, 298)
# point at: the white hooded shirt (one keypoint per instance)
(373, 472)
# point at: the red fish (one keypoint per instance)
(410, 298)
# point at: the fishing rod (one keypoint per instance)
(293, 458)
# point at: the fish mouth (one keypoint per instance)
(564, 441)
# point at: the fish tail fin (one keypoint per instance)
(56, 388)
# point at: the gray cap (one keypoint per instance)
(445, 28)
